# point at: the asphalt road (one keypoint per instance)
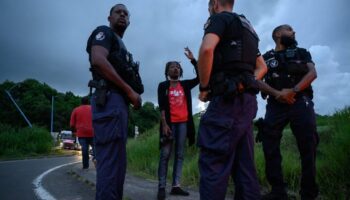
(16, 179)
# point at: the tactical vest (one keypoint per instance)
(286, 68)
(238, 48)
(127, 69)
(124, 65)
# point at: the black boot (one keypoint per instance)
(161, 194)
(179, 191)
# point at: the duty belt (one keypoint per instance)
(230, 85)
(101, 88)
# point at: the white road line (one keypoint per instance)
(39, 190)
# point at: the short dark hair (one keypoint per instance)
(111, 11)
(85, 101)
(167, 66)
(278, 29)
(223, 2)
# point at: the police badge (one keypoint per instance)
(273, 63)
(100, 36)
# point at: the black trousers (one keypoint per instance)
(301, 116)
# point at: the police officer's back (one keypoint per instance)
(226, 65)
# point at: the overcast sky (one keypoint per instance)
(46, 40)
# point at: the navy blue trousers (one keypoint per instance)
(227, 148)
(110, 124)
(85, 142)
(301, 117)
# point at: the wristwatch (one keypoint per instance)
(203, 89)
(296, 89)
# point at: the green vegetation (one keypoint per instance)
(332, 157)
(24, 142)
(17, 140)
(145, 118)
(34, 98)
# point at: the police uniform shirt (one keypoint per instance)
(227, 26)
(273, 58)
(104, 36)
(279, 75)
(217, 24)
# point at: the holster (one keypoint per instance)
(100, 91)
(128, 70)
(227, 85)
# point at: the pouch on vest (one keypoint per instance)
(123, 63)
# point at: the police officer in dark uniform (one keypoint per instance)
(290, 69)
(227, 65)
(117, 83)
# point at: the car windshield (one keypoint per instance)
(67, 136)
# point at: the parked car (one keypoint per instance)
(68, 140)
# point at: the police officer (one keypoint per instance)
(227, 64)
(291, 69)
(109, 57)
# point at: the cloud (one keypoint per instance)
(46, 40)
(331, 88)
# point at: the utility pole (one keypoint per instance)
(52, 103)
(19, 109)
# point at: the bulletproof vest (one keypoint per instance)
(126, 67)
(238, 48)
(286, 68)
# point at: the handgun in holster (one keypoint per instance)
(232, 88)
(100, 91)
(224, 85)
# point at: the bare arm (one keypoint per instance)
(264, 87)
(205, 61)
(189, 54)
(260, 69)
(308, 78)
(206, 56)
(289, 93)
(165, 128)
(99, 60)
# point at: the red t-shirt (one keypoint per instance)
(178, 104)
(81, 120)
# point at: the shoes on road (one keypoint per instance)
(161, 194)
(85, 169)
(179, 191)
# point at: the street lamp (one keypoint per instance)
(52, 105)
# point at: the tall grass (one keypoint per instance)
(22, 142)
(143, 158)
(334, 158)
(142, 154)
(332, 162)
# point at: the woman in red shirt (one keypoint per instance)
(175, 104)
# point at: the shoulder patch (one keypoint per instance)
(100, 36)
(206, 25)
(273, 63)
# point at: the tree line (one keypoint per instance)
(35, 99)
